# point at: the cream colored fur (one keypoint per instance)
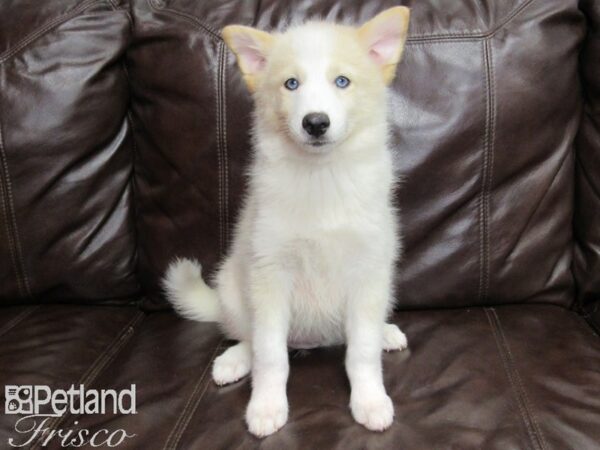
(315, 246)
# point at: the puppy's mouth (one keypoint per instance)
(315, 146)
(319, 143)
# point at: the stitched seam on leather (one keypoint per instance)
(491, 158)
(470, 35)
(190, 408)
(528, 403)
(514, 380)
(9, 212)
(5, 213)
(221, 113)
(224, 137)
(17, 319)
(99, 364)
(9, 238)
(486, 173)
(484, 181)
(219, 91)
(210, 31)
(33, 36)
(482, 221)
(480, 195)
(219, 153)
(426, 44)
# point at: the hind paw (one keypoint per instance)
(393, 338)
(233, 365)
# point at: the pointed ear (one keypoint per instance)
(251, 47)
(384, 37)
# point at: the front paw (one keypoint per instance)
(374, 411)
(266, 414)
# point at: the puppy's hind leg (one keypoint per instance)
(393, 338)
(233, 364)
(235, 317)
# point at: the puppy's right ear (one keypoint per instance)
(251, 47)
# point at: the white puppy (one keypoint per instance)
(314, 250)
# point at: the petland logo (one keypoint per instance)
(38, 404)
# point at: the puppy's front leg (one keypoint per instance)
(268, 407)
(369, 403)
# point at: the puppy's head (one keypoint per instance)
(319, 83)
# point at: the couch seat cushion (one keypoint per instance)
(506, 377)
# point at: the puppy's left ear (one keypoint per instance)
(251, 48)
(384, 37)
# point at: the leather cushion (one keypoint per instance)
(66, 216)
(493, 378)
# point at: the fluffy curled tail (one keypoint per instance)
(189, 294)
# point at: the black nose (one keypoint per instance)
(316, 124)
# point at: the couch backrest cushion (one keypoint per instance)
(587, 187)
(484, 111)
(66, 217)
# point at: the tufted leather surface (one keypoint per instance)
(66, 217)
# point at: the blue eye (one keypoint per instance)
(291, 84)
(342, 82)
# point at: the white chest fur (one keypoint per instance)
(321, 224)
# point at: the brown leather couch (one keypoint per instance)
(123, 142)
